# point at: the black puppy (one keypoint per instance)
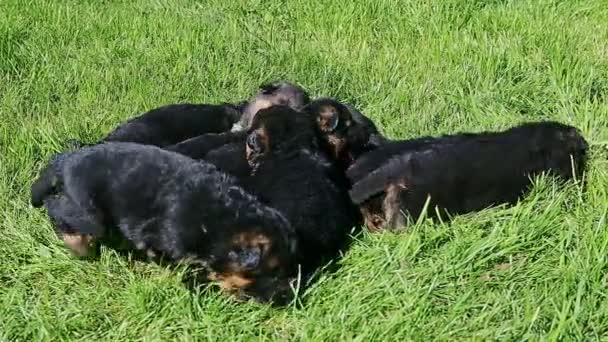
(461, 173)
(174, 123)
(292, 175)
(171, 206)
(346, 132)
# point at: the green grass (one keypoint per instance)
(74, 69)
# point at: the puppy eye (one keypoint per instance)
(334, 123)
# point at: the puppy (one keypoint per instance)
(461, 173)
(346, 132)
(169, 206)
(292, 175)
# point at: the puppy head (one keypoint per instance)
(347, 132)
(279, 130)
(570, 145)
(272, 94)
(255, 259)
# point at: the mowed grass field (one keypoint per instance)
(75, 69)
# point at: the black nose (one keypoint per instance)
(253, 142)
(249, 259)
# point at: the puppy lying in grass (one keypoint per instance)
(461, 173)
(174, 123)
(169, 206)
(292, 175)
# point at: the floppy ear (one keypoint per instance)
(328, 120)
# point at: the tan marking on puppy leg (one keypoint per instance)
(81, 245)
(391, 206)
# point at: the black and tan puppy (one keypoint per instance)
(346, 132)
(292, 175)
(461, 173)
(171, 206)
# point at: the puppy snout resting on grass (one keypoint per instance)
(170, 206)
(461, 173)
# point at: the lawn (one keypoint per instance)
(75, 69)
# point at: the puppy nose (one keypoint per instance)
(250, 259)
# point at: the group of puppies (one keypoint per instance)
(258, 195)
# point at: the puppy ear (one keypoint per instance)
(328, 119)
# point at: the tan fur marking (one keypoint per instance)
(230, 281)
(81, 245)
(337, 144)
(252, 239)
(391, 206)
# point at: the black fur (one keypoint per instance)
(292, 175)
(173, 123)
(224, 150)
(463, 172)
(169, 205)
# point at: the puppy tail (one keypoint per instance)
(47, 182)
